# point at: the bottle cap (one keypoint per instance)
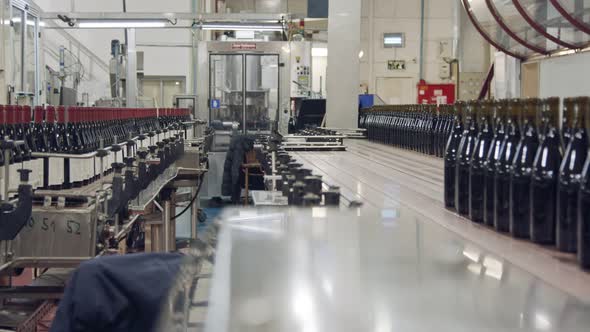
(50, 114)
(9, 111)
(61, 114)
(27, 116)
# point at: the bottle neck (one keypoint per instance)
(580, 116)
(551, 113)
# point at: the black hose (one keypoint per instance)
(191, 202)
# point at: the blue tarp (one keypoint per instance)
(117, 294)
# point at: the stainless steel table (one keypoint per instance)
(380, 270)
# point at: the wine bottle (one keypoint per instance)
(520, 180)
(499, 109)
(464, 156)
(567, 129)
(12, 132)
(56, 174)
(41, 140)
(584, 206)
(480, 155)
(504, 167)
(451, 156)
(570, 176)
(545, 174)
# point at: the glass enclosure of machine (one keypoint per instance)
(226, 101)
(262, 92)
(21, 49)
(243, 92)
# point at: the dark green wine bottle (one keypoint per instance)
(480, 155)
(545, 174)
(451, 155)
(569, 178)
(504, 167)
(464, 156)
(520, 180)
(584, 207)
(499, 114)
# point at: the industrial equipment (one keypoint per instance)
(120, 171)
(251, 85)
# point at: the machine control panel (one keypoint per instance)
(300, 69)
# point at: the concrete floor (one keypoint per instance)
(383, 177)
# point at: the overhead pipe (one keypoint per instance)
(194, 50)
(422, 19)
(457, 7)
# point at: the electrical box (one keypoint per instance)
(436, 94)
(444, 70)
(445, 49)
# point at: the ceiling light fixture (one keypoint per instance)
(121, 24)
(242, 26)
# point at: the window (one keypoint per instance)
(159, 91)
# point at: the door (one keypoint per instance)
(396, 90)
(262, 92)
(226, 93)
(530, 82)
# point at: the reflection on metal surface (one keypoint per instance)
(494, 268)
(475, 268)
(358, 275)
(472, 253)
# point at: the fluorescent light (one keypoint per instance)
(361, 54)
(391, 40)
(319, 51)
(121, 24)
(242, 26)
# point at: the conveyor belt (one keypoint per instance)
(384, 177)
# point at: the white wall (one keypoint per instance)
(381, 16)
(169, 61)
(378, 17)
(567, 76)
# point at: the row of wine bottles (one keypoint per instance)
(76, 130)
(514, 165)
(421, 128)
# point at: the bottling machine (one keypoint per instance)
(121, 170)
(251, 85)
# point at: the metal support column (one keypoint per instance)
(169, 224)
(131, 69)
(194, 216)
(344, 29)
